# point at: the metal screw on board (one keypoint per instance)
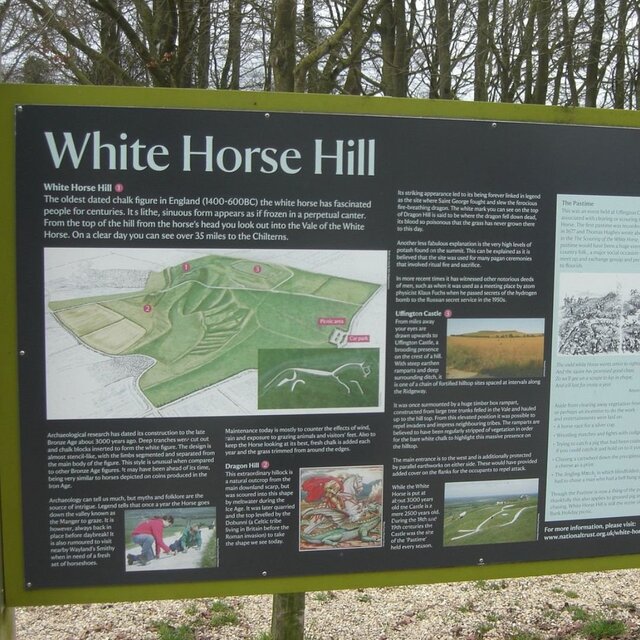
(267, 115)
(19, 108)
(494, 125)
(481, 561)
(22, 352)
(264, 574)
(28, 585)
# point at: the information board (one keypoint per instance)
(288, 344)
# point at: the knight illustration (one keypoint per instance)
(344, 512)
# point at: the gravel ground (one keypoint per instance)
(544, 608)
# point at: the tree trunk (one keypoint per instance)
(203, 61)
(636, 78)
(505, 55)
(401, 57)
(593, 61)
(310, 39)
(480, 93)
(329, 45)
(110, 48)
(283, 52)
(393, 36)
(353, 83)
(567, 58)
(620, 49)
(230, 78)
(526, 54)
(287, 617)
(544, 55)
(443, 45)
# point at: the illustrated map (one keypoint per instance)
(204, 320)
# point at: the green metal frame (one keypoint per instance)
(10, 489)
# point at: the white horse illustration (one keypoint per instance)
(344, 376)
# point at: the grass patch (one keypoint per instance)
(578, 614)
(627, 606)
(210, 554)
(467, 607)
(324, 596)
(217, 614)
(168, 632)
(221, 614)
(571, 594)
(483, 629)
(492, 585)
(524, 635)
(598, 628)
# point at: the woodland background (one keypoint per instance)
(559, 52)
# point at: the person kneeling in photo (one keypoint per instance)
(191, 537)
(148, 533)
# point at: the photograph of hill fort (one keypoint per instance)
(495, 348)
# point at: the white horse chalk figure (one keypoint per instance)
(342, 375)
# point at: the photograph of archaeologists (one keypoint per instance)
(178, 539)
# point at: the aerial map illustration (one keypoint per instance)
(167, 332)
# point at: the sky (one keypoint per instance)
(489, 488)
(456, 326)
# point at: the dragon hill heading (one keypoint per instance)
(351, 157)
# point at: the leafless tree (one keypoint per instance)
(565, 52)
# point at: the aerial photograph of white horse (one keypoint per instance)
(490, 512)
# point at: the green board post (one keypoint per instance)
(7, 623)
(7, 618)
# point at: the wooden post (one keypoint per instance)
(287, 617)
(7, 626)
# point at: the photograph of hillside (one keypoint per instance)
(495, 348)
(490, 512)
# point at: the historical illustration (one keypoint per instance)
(341, 507)
(599, 314)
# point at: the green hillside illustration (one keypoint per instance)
(203, 321)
